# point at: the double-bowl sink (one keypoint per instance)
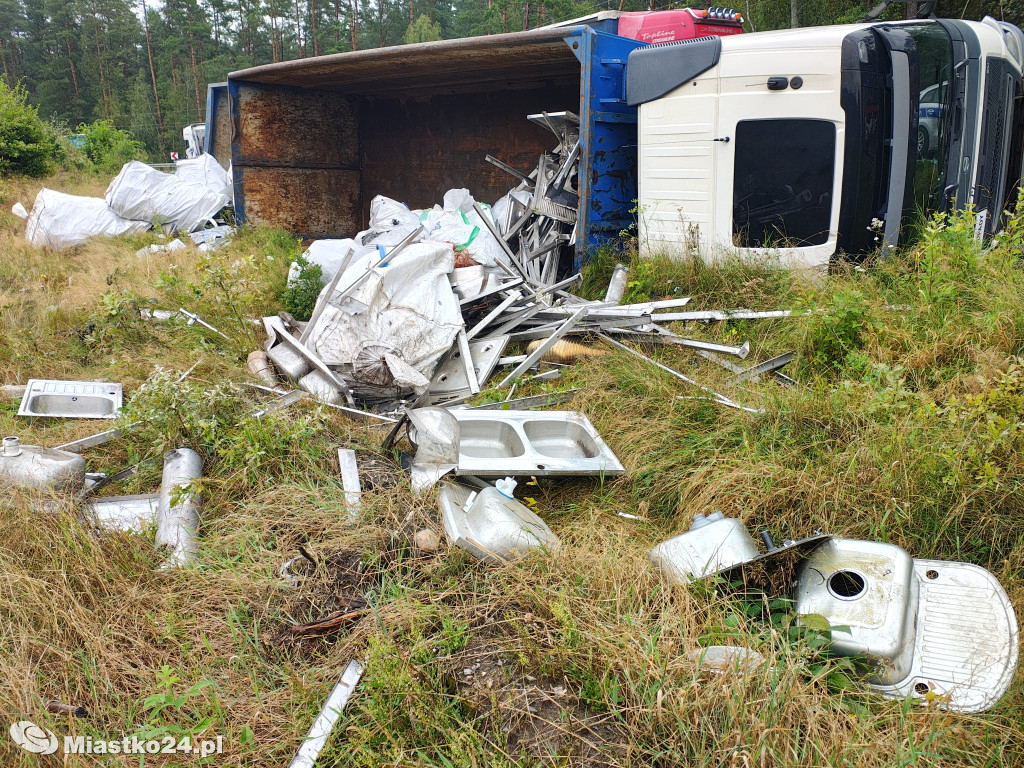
(499, 443)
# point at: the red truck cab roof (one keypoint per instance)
(682, 24)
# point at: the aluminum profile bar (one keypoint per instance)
(725, 315)
(716, 396)
(467, 362)
(350, 481)
(322, 305)
(320, 731)
(493, 314)
(526, 403)
(510, 285)
(768, 366)
(535, 356)
(509, 170)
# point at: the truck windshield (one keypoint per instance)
(934, 114)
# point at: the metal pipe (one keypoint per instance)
(177, 516)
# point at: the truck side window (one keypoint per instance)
(782, 183)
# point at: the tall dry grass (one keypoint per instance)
(905, 428)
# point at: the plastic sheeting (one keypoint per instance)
(58, 220)
(329, 254)
(143, 193)
(206, 172)
(410, 320)
(436, 439)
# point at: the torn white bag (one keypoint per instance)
(411, 319)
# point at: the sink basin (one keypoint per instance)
(489, 440)
(539, 443)
(934, 630)
(71, 399)
(561, 440)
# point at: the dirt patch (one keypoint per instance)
(534, 716)
(377, 473)
(329, 592)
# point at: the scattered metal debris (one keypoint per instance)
(720, 545)
(191, 318)
(44, 469)
(321, 729)
(60, 708)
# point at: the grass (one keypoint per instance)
(905, 428)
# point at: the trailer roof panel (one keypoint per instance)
(518, 59)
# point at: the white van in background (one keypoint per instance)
(818, 142)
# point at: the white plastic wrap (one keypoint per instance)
(329, 254)
(386, 213)
(143, 193)
(436, 436)
(411, 318)
(63, 221)
(205, 171)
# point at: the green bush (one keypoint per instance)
(107, 147)
(300, 296)
(26, 146)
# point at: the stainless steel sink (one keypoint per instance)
(939, 631)
(71, 399)
(500, 443)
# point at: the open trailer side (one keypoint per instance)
(314, 140)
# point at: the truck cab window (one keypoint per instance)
(782, 183)
(934, 114)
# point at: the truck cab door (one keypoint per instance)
(778, 149)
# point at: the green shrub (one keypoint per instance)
(107, 147)
(300, 296)
(26, 147)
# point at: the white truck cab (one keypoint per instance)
(807, 143)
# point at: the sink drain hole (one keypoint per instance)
(846, 584)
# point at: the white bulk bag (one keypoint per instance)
(143, 193)
(58, 220)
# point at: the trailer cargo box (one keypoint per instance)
(314, 140)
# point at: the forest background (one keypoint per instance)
(143, 67)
